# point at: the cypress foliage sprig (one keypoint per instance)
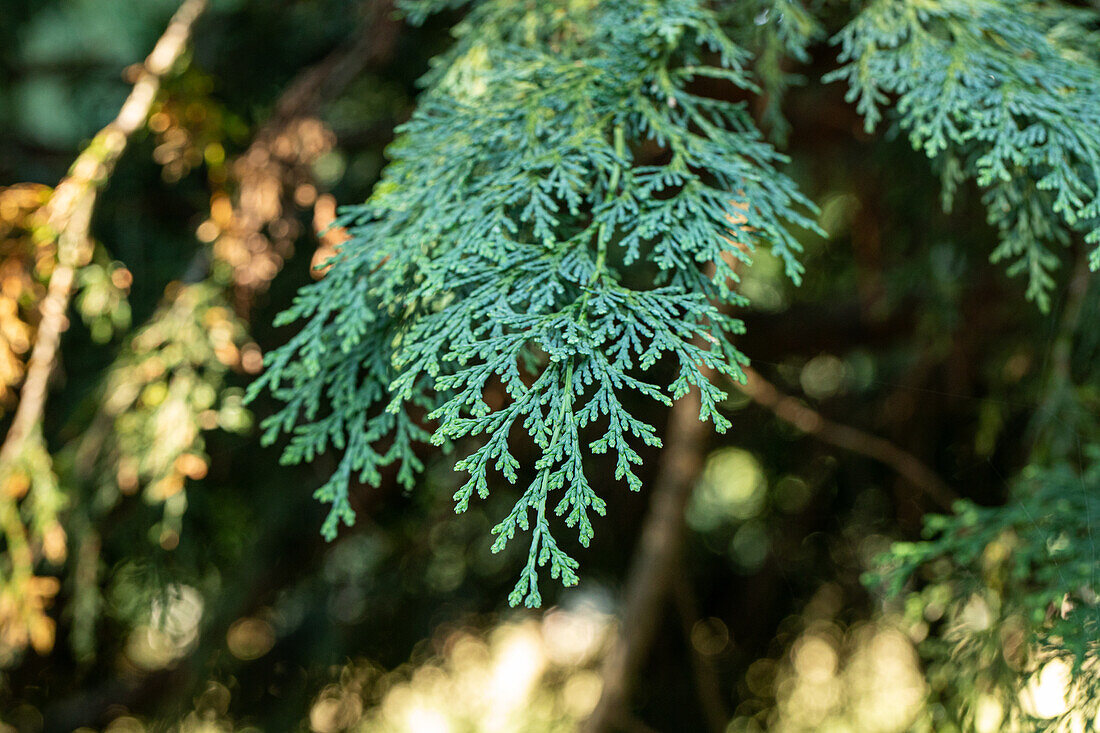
(1004, 92)
(496, 250)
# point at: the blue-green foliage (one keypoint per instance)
(559, 148)
(777, 32)
(1006, 92)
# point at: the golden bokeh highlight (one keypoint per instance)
(525, 675)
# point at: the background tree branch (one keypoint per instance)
(655, 561)
(69, 214)
(808, 420)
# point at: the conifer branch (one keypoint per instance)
(997, 92)
(25, 465)
(506, 266)
(278, 163)
(69, 213)
(652, 571)
(373, 43)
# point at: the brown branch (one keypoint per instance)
(808, 420)
(69, 213)
(655, 562)
(373, 43)
(707, 684)
(278, 165)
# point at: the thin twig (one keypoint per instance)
(283, 152)
(656, 560)
(808, 420)
(69, 214)
(374, 43)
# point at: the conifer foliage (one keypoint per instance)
(563, 212)
(1005, 93)
(1014, 587)
(549, 266)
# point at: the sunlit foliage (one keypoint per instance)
(1000, 92)
(1010, 592)
(26, 259)
(557, 250)
(513, 267)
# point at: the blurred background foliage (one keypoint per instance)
(170, 575)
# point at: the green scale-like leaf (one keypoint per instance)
(496, 252)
